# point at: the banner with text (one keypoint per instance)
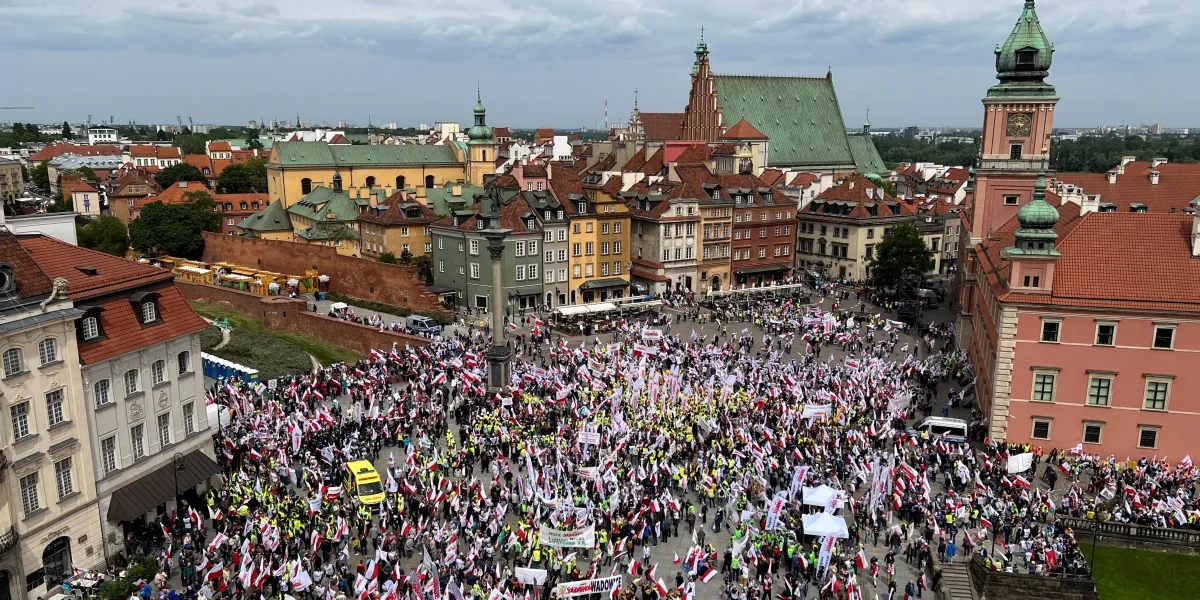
(602, 585)
(575, 538)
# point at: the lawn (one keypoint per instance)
(324, 352)
(1124, 574)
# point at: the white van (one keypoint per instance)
(952, 430)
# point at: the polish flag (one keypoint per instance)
(440, 378)
(1021, 482)
(215, 572)
(676, 561)
(986, 523)
(652, 571)
(861, 558)
(634, 568)
(661, 588)
(708, 575)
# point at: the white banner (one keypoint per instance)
(576, 538)
(588, 586)
(775, 510)
(589, 437)
(826, 553)
(1020, 463)
(530, 576)
(814, 410)
(652, 335)
(798, 482)
(899, 403)
(835, 501)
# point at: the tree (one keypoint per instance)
(66, 130)
(406, 257)
(180, 172)
(39, 176)
(190, 143)
(901, 254)
(106, 234)
(172, 229)
(89, 175)
(424, 265)
(243, 178)
(205, 207)
(387, 258)
(252, 141)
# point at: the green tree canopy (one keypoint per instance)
(205, 207)
(243, 178)
(106, 234)
(39, 175)
(901, 253)
(180, 172)
(66, 130)
(89, 175)
(172, 229)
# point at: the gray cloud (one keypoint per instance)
(547, 62)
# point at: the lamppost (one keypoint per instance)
(499, 356)
(1095, 534)
(177, 463)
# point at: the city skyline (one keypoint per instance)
(907, 62)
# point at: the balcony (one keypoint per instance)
(1004, 163)
(9, 540)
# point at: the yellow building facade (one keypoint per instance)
(599, 245)
(297, 168)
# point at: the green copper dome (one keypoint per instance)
(479, 133)
(874, 178)
(1026, 54)
(1038, 218)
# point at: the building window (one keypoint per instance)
(678, 253)
(405, 248)
(428, 247)
(1043, 387)
(520, 269)
(604, 269)
(20, 420)
(1041, 430)
(305, 186)
(370, 181)
(62, 478)
(1148, 437)
(589, 248)
(131, 382)
(189, 419)
(762, 251)
(149, 312)
(403, 232)
(12, 362)
(1164, 337)
(54, 407)
(91, 328)
(549, 236)
(184, 362)
(29, 494)
(533, 271)
(441, 266)
(474, 247)
(137, 440)
(429, 181)
(441, 244)
(1093, 433)
(519, 248)
(1106, 334)
(48, 351)
(616, 267)
(163, 430)
(108, 453)
(462, 270)
(1014, 151)
(158, 371)
(100, 393)
(474, 270)
(1099, 390)
(576, 249)
(616, 248)
(588, 227)
(1050, 330)
(1012, 200)
(582, 206)
(562, 256)
(575, 271)
(604, 229)
(589, 270)
(562, 275)
(1156, 395)
(603, 248)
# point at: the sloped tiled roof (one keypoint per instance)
(866, 156)
(324, 204)
(800, 115)
(81, 187)
(395, 212)
(320, 154)
(1178, 185)
(501, 132)
(272, 218)
(440, 199)
(32, 281)
(327, 230)
(60, 259)
(124, 333)
(513, 213)
(55, 150)
(219, 146)
(544, 132)
(859, 198)
(662, 126)
(743, 131)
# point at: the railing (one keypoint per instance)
(1022, 164)
(9, 540)
(1132, 531)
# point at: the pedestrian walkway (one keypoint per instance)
(956, 582)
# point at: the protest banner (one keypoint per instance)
(602, 585)
(575, 538)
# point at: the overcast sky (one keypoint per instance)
(554, 62)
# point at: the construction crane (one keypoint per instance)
(16, 108)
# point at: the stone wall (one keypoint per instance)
(1130, 535)
(992, 585)
(280, 313)
(362, 278)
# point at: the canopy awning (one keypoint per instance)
(603, 283)
(823, 524)
(441, 290)
(821, 495)
(141, 496)
(765, 269)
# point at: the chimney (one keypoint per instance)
(1126, 160)
(1112, 175)
(1154, 177)
(456, 190)
(1195, 204)
(1089, 204)
(1157, 161)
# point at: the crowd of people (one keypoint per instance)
(565, 482)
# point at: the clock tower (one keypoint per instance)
(1018, 118)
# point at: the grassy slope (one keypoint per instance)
(1125, 574)
(324, 352)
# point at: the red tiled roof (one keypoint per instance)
(662, 126)
(544, 132)
(160, 152)
(644, 274)
(504, 182)
(501, 132)
(338, 140)
(124, 332)
(202, 161)
(56, 150)
(532, 170)
(1178, 185)
(219, 147)
(743, 131)
(60, 259)
(854, 189)
(392, 212)
(771, 176)
(511, 216)
(32, 281)
(1154, 253)
(81, 187)
(694, 155)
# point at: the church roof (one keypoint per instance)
(866, 157)
(662, 126)
(800, 115)
(320, 154)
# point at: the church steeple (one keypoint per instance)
(479, 133)
(1023, 61)
(701, 47)
(867, 124)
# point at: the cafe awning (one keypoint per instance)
(603, 283)
(141, 496)
(766, 269)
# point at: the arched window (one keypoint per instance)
(91, 328)
(305, 186)
(483, 155)
(429, 181)
(48, 351)
(371, 181)
(185, 362)
(399, 182)
(243, 205)
(56, 560)
(205, 172)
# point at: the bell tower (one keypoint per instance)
(1018, 119)
(481, 145)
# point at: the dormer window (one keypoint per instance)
(90, 328)
(547, 213)
(529, 224)
(716, 195)
(582, 208)
(479, 223)
(559, 214)
(149, 312)
(1025, 58)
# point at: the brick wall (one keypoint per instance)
(355, 277)
(288, 314)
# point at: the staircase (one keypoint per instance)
(956, 582)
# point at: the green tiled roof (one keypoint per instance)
(327, 231)
(800, 115)
(441, 199)
(272, 218)
(320, 154)
(323, 201)
(866, 157)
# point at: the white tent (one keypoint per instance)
(338, 306)
(823, 524)
(820, 495)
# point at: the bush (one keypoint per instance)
(272, 357)
(141, 568)
(399, 311)
(387, 258)
(209, 338)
